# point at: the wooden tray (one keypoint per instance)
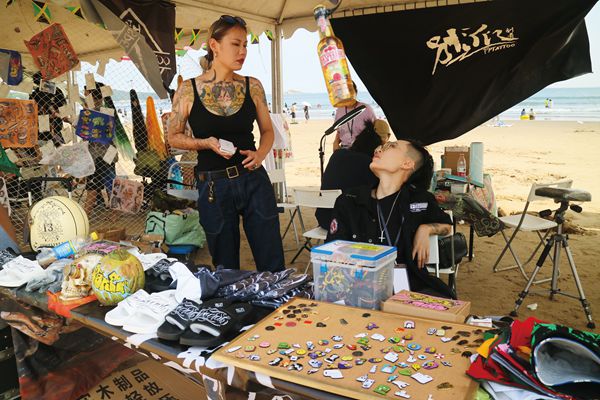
(348, 322)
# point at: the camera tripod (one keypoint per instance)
(558, 239)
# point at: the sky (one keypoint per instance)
(301, 69)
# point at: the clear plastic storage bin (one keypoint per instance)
(354, 274)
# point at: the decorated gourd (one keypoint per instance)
(118, 275)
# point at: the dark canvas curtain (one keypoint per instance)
(439, 72)
(155, 20)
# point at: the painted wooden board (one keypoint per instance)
(302, 321)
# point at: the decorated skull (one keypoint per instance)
(77, 281)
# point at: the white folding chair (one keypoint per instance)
(277, 177)
(433, 264)
(313, 198)
(528, 223)
(189, 191)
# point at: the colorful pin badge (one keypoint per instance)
(234, 349)
(388, 369)
(382, 389)
(372, 325)
(430, 364)
(368, 383)
(413, 346)
(409, 324)
(344, 365)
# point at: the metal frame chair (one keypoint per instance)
(313, 198)
(277, 177)
(434, 258)
(528, 223)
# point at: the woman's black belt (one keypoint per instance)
(229, 172)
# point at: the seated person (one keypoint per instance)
(348, 168)
(398, 211)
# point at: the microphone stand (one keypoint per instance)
(322, 152)
(341, 121)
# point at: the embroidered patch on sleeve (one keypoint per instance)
(333, 227)
(418, 207)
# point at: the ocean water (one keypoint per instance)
(568, 104)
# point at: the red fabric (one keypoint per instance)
(521, 332)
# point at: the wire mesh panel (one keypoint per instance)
(125, 167)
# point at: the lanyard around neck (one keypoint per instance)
(385, 229)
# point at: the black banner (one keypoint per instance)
(440, 72)
(155, 20)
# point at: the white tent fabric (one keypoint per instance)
(93, 43)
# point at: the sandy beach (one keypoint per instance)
(516, 156)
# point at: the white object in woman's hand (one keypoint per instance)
(212, 143)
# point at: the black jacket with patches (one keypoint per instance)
(355, 219)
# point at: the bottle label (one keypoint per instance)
(331, 54)
(64, 250)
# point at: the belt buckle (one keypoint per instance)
(230, 175)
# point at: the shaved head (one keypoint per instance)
(415, 153)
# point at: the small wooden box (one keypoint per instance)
(425, 306)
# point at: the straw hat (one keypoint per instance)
(383, 130)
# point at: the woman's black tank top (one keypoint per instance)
(236, 128)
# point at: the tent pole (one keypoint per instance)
(276, 72)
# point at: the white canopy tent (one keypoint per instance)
(282, 17)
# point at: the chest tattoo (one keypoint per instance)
(223, 97)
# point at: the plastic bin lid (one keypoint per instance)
(352, 250)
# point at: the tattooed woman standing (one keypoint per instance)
(222, 105)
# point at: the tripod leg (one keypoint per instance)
(556, 264)
(584, 302)
(538, 266)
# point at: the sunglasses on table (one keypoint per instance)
(230, 19)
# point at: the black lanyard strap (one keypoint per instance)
(385, 229)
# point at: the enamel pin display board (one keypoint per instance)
(359, 353)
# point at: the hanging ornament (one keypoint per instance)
(195, 34)
(178, 34)
(269, 34)
(41, 12)
(253, 38)
(76, 11)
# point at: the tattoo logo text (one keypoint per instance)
(459, 44)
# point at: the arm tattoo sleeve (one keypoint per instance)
(257, 92)
(440, 229)
(178, 119)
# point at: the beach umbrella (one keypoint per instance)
(140, 133)
(306, 103)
